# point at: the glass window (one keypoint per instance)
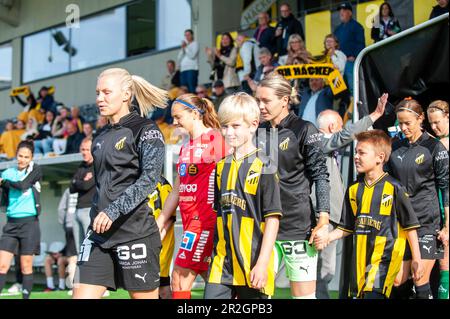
(98, 40)
(141, 27)
(172, 23)
(109, 36)
(5, 65)
(44, 55)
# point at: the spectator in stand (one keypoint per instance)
(74, 138)
(188, 61)
(333, 54)
(223, 63)
(59, 131)
(315, 99)
(266, 66)
(31, 130)
(351, 40)
(287, 26)
(248, 52)
(385, 24)
(440, 8)
(30, 109)
(83, 183)
(219, 94)
(265, 34)
(77, 119)
(43, 140)
(296, 52)
(88, 130)
(9, 140)
(172, 78)
(46, 100)
(202, 92)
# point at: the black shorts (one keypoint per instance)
(431, 248)
(70, 249)
(133, 266)
(218, 291)
(21, 236)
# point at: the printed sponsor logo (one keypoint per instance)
(182, 255)
(140, 277)
(182, 170)
(188, 188)
(201, 246)
(187, 243)
(152, 135)
(192, 170)
(443, 155)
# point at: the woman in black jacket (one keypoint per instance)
(122, 246)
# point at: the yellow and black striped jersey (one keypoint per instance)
(246, 192)
(378, 215)
(156, 202)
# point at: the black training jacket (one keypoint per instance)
(128, 161)
(422, 167)
(301, 162)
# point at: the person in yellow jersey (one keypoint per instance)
(248, 206)
(156, 202)
(378, 212)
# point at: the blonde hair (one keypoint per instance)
(238, 106)
(379, 140)
(281, 86)
(205, 107)
(147, 95)
(438, 105)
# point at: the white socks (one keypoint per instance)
(62, 284)
(50, 283)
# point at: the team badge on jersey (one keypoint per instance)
(187, 243)
(285, 144)
(120, 144)
(386, 200)
(420, 159)
(182, 171)
(192, 170)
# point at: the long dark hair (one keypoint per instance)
(391, 13)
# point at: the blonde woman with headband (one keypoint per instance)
(122, 245)
(301, 162)
(438, 118)
(193, 190)
(420, 163)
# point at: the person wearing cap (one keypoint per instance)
(351, 38)
(219, 94)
